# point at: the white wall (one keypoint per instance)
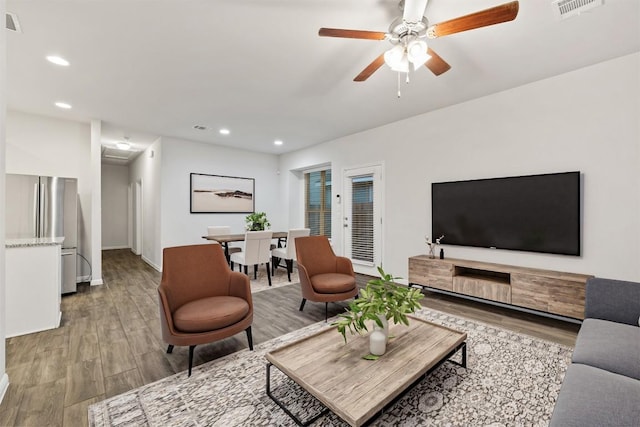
(146, 169)
(115, 182)
(38, 145)
(181, 158)
(4, 379)
(95, 223)
(586, 120)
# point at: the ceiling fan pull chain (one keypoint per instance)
(398, 84)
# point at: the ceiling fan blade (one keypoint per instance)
(351, 34)
(371, 68)
(495, 15)
(436, 64)
(414, 10)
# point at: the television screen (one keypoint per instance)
(536, 213)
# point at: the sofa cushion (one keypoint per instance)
(611, 346)
(614, 300)
(592, 397)
(209, 314)
(333, 283)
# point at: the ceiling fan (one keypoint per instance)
(408, 33)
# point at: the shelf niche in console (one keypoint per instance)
(486, 284)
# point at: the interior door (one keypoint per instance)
(362, 219)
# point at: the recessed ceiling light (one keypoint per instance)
(278, 142)
(58, 60)
(63, 105)
(224, 131)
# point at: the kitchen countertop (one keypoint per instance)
(33, 241)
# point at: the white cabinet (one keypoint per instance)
(33, 285)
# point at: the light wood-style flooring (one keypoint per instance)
(109, 341)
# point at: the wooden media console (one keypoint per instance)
(553, 292)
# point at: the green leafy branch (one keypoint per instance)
(380, 297)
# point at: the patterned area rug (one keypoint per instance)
(511, 380)
(277, 280)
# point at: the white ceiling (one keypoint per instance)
(157, 68)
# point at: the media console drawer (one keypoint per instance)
(554, 295)
(434, 273)
(482, 288)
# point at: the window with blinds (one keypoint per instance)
(362, 218)
(318, 202)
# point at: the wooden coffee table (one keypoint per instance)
(356, 389)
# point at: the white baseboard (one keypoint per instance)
(109, 248)
(4, 385)
(148, 261)
(96, 282)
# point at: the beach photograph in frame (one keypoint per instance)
(221, 194)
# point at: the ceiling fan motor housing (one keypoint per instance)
(399, 29)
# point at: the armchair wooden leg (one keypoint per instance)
(255, 271)
(275, 263)
(289, 267)
(326, 311)
(249, 338)
(245, 270)
(268, 275)
(231, 265)
(191, 347)
(302, 303)
(170, 348)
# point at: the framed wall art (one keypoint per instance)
(221, 194)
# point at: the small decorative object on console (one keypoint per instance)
(433, 245)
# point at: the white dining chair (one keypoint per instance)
(257, 250)
(222, 230)
(288, 253)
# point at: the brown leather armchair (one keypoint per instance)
(324, 277)
(201, 299)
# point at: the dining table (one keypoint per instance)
(225, 239)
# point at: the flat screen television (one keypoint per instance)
(535, 213)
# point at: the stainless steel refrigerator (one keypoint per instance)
(45, 206)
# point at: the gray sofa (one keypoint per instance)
(602, 385)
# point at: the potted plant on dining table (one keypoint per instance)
(257, 221)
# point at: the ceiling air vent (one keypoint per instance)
(11, 22)
(564, 9)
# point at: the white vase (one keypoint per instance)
(385, 326)
(432, 251)
(377, 342)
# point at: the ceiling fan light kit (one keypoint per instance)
(417, 52)
(407, 34)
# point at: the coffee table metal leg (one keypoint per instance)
(463, 361)
(281, 405)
